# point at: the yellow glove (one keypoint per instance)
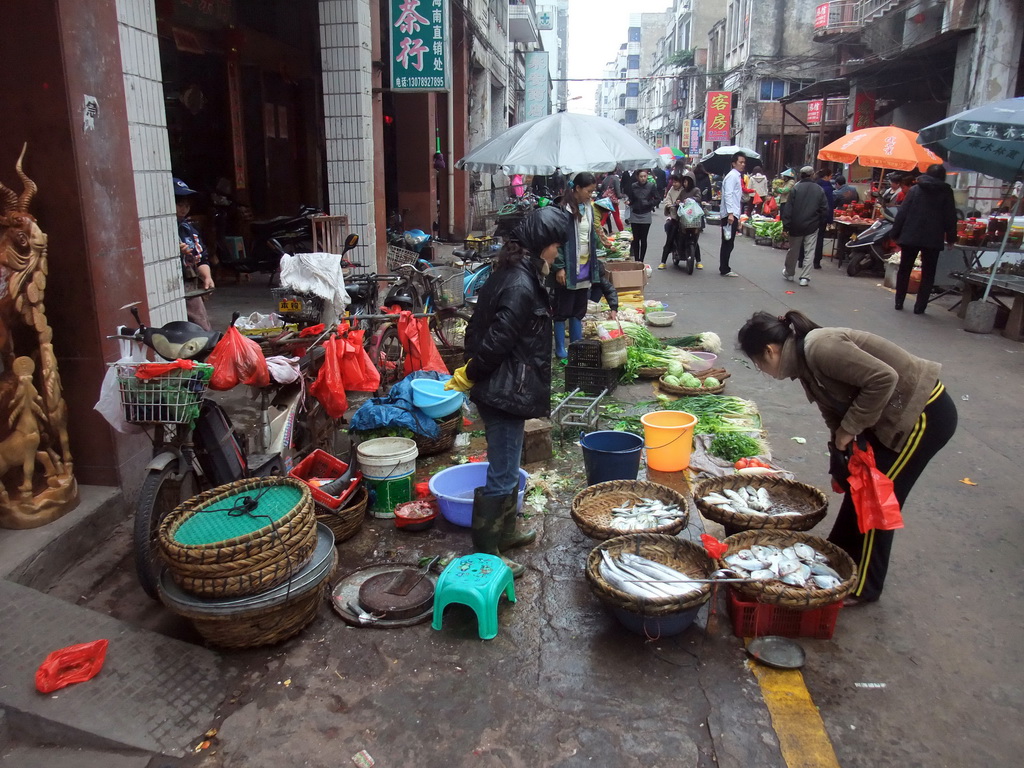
(459, 381)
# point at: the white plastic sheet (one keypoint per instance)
(319, 274)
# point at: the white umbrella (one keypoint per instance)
(566, 141)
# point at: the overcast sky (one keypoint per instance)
(596, 30)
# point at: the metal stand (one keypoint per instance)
(578, 410)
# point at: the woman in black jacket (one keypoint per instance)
(508, 376)
(926, 217)
(643, 197)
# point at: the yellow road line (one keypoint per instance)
(802, 737)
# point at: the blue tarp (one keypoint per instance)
(397, 410)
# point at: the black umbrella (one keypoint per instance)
(720, 160)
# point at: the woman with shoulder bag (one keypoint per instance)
(866, 388)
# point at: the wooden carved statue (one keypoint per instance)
(36, 480)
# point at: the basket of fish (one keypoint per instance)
(789, 568)
(653, 583)
(745, 502)
(617, 507)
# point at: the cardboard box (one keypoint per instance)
(627, 274)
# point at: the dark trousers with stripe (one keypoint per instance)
(870, 551)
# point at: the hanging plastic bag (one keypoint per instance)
(74, 664)
(236, 360)
(109, 403)
(420, 351)
(771, 207)
(874, 497)
(360, 373)
(690, 213)
(329, 387)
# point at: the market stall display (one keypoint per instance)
(610, 509)
(781, 504)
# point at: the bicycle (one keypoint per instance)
(194, 444)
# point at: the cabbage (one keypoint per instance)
(671, 380)
(711, 381)
(676, 368)
(689, 380)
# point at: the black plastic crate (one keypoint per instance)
(591, 380)
(585, 354)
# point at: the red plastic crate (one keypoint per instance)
(758, 619)
(321, 464)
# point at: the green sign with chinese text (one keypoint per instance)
(420, 50)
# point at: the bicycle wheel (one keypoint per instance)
(161, 492)
(449, 327)
(476, 281)
(389, 357)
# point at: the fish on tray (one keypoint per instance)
(798, 566)
(640, 577)
(643, 515)
(749, 500)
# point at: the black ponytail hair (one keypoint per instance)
(581, 179)
(763, 329)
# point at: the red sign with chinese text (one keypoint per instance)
(863, 110)
(821, 16)
(814, 110)
(718, 118)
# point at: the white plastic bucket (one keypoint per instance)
(387, 458)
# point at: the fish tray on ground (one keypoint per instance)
(810, 502)
(592, 508)
(679, 554)
(777, 593)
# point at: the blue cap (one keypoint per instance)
(181, 189)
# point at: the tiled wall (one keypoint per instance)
(151, 159)
(345, 56)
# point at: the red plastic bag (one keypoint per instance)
(715, 548)
(235, 360)
(420, 351)
(873, 494)
(329, 387)
(74, 664)
(313, 330)
(358, 369)
(153, 370)
(770, 207)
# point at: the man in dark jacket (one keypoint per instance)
(508, 376)
(802, 218)
(926, 218)
(824, 177)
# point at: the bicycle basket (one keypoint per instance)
(447, 287)
(296, 306)
(400, 257)
(173, 398)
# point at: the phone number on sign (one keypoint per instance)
(420, 82)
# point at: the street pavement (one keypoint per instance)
(928, 676)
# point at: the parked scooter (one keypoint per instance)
(869, 250)
(273, 237)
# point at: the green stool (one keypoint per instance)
(477, 581)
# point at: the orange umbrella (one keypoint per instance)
(882, 147)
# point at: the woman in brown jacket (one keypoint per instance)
(865, 387)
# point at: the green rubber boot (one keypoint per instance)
(511, 536)
(488, 514)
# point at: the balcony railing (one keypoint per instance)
(836, 19)
(522, 22)
(876, 9)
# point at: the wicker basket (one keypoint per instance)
(345, 522)
(651, 373)
(450, 427)
(672, 390)
(454, 357)
(613, 352)
(777, 593)
(811, 502)
(266, 626)
(676, 553)
(244, 564)
(592, 508)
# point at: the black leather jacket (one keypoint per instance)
(508, 343)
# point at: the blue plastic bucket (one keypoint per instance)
(609, 455)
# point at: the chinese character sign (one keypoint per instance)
(814, 109)
(695, 136)
(821, 16)
(420, 52)
(536, 102)
(863, 110)
(718, 119)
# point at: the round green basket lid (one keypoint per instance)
(237, 515)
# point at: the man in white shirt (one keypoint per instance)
(732, 192)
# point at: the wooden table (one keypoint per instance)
(1007, 285)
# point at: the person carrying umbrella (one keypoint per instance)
(508, 376)
(926, 218)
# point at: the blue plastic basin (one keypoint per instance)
(454, 488)
(433, 399)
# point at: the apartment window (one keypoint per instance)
(622, 101)
(772, 89)
(630, 116)
(622, 74)
(633, 61)
(633, 89)
(634, 35)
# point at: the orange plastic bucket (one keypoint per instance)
(668, 438)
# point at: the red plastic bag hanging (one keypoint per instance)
(770, 207)
(874, 497)
(360, 373)
(74, 664)
(153, 370)
(235, 360)
(420, 351)
(329, 387)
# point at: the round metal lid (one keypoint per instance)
(778, 652)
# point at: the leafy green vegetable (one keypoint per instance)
(689, 380)
(733, 446)
(711, 381)
(671, 380)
